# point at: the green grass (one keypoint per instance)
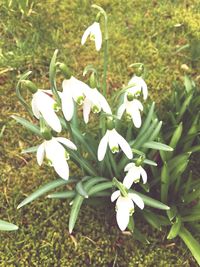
(140, 31)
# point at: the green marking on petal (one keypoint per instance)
(95, 109)
(115, 149)
(131, 211)
(80, 100)
(56, 107)
(67, 156)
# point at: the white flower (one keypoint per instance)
(94, 32)
(134, 174)
(133, 109)
(43, 105)
(73, 90)
(56, 154)
(125, 207)
(96, 101)
(114, 140)
(138, 86)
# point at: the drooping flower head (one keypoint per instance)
(43, 105)
(130, 104)
(114, 140)
(125, 207)
(95, 102)
(139, 86)
(54, 151)
(94, 32)
(73, 91)
(132, 108)
(133, 175)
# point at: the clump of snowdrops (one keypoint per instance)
(76, 122)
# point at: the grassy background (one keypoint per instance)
(145, 31)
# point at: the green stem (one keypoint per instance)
(105, 66)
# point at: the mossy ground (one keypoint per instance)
(144, 31)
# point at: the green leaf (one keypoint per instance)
(131, 224)
(184, 107)
(77, 202)
(175, 162)
(32, 149)
(140, 237)
(191, 243)
(175, 229)
(152, 219)
(142, 139)
(191, 218)
(85, 144)
(6, 226)
(28, 125)
(172, 213)
(18, 93)
(175, 138)
(52, 76)
(157, 146)
(83, 163)
(150, 162)
(152, 202)
(188, 84)
(100, 187)
(81, 190)
(44, 189)
(164, 183)
(63, 194)
(147, 121)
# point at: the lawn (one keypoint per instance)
(163, 35)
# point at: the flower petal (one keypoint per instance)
(124, 145)
(67, 103)
(40, 154)
(137, 199)
(129, 166)
(56, 153)
(143, 174)
(128, 180)
(121, 110)
(35, 110)
(115, 195)
(85, 35)
(66, 142)
(123, 206)
(86, 110)
(98, 35)
(122, 217)
(103, 103)
(61, 167)
(112, 140)
(45, 105)
(102, 147)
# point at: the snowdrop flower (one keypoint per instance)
(73, 90)
(138, 86)
(43, 105)
(56, 154)
(133, 175)
(125, 207)
(94, 101)
(114, 140)
(132, 108)
(94, 32)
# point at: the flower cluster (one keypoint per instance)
(49, 107)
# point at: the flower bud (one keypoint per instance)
(110, 124)
(139, 161)
(93, 82)
(65, 70)
(30, 85)
(46, 134)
